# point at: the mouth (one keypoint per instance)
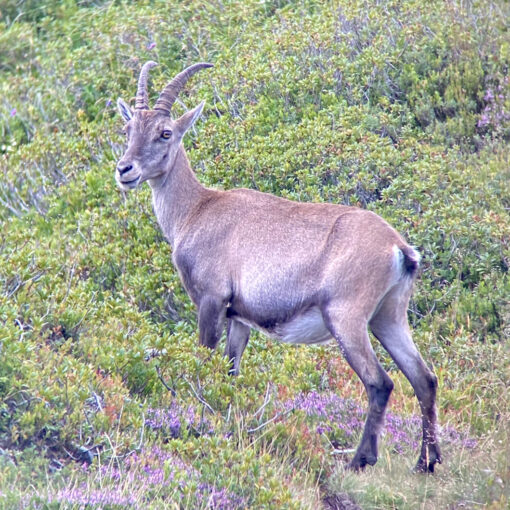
(129, 184)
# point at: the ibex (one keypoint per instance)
(298, 272)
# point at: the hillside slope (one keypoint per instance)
(106, 400)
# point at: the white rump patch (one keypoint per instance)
(415, 255)
(399, 258)
(412, 255)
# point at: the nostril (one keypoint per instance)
(122, 169)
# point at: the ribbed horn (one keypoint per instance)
(171, 91)
(142, 98)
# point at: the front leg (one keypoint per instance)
(237, 338)
(211, 320)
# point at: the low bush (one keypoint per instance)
(106, 400)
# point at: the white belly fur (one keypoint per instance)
(306, 328)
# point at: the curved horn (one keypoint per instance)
(142, 99)
(171, 91)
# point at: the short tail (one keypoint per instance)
(411, 260)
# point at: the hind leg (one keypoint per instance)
(350, 331)
(391, 328)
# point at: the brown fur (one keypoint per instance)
(300, 272)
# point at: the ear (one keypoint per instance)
(187, 120)
(124, 109)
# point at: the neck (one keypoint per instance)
(176, 195)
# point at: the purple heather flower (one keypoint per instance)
(330, 412)
(219, 499)
(469, 443)
(322, 429)
(13, 112)
(151, 45)
(174, 420)
(484, 120)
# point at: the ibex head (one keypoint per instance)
(153, 137)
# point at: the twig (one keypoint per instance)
(199, 397)
(98, 401)
(267, 399)
(152, 353)
(171, 390)
(70, 282)
(275, 417)
(142, 433)
(343, 452)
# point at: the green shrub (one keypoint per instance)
(396, 107)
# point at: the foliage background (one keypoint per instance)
(106, 401)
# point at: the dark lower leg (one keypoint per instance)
(430, 453)
(378, 397)
(350, 330)
(396, 339)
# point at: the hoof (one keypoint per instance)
(356, 466)
(359, 463)
(422, 466)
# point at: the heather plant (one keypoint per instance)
(106, 401)
(151, 476)
(341, 422)
(495, 114)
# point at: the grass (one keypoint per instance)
(106, 400)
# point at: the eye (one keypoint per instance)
(166, 134)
